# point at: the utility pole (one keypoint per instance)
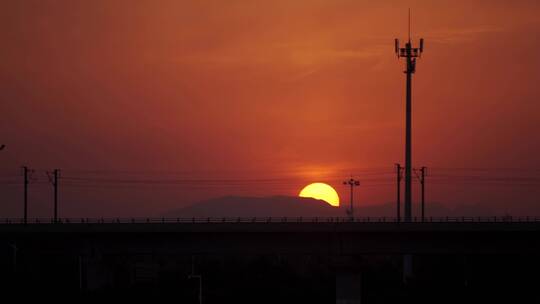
(352, 183)
(410, 54)
(423, 192)
(399, 176)
(54, 181)
(422, 178)
(25, 213)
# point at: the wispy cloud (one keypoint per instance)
(290, 54)
(459, 35)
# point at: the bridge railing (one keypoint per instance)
(214, 220)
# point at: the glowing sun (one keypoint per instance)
(321, 191)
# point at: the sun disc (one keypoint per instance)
(321, 191)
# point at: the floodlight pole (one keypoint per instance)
(352, 183)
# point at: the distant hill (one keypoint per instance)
(273, 206)
(289, 206)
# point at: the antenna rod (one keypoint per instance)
(409, 25)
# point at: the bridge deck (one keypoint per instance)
(327, 238)
(271, 227)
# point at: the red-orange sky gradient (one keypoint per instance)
(291, 91)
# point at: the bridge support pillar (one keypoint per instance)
(95, 273)
(348, 288)
(407, 267)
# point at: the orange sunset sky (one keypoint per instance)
(272, 95)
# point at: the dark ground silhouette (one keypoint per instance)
(283, 279)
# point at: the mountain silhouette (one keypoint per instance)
(273, 206)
